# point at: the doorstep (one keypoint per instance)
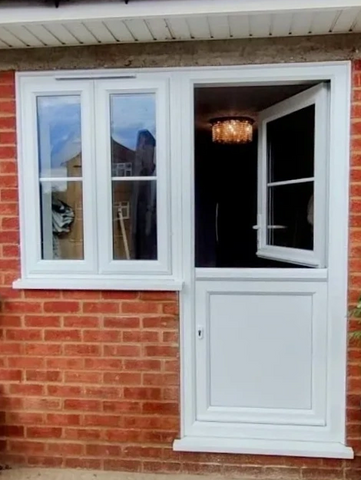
(76, 474)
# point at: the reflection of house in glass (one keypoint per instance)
(134, 202)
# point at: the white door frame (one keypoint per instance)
(193, 438)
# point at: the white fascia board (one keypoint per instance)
(17, 13)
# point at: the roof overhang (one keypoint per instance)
(39, 24)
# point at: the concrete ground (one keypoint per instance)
(69, 474)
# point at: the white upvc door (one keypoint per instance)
(262, 344)
(259, 345)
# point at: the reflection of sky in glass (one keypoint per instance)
(129, 114)
(59, 132)
(59, 126)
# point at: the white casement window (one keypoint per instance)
(94, 168)
(290, 178)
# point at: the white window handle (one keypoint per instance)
(270, 227)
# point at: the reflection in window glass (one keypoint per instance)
(133, 135)
(62, 220)
(134, 220)
(290, 216)
(59, 136)
(291, 146)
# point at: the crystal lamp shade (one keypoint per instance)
(232, 129)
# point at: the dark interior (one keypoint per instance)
(227, 175)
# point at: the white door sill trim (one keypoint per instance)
(263, 447)
(97, 284)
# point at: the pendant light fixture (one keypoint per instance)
(232, 130)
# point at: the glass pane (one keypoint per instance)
(134, 220)
(59, 136)
(62, 220)
(290, 216)
(133, 135)
(291, 146)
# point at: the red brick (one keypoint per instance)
(121, 322)
(26, 362)
(121, 407)
(7, 138)
(140, 337)
(160, 322)
(81, 321)
(8, 77)
(7, 123)
(101, 336)
(12, 223)
(123, 465)
(5, 168)
(42, 294)
(65, 448)
(26, 447)
(158, 296)
(102, 392)
(160, 351)
(41, 403)
(27, 389)
(161, 467)
(9, 195)
(87, 463)
(160, 408)
(164, 379)
(23, 307)
(117, 295)
(64, 391)
(103, 451)
(121, 351)
(101, 420)
(43, 432)
(42, 461)
(62, 335)
(82, 434)
(25, 418)
(61, 307)
(140, 307)
(142, 393)
(122, 378)
(7, 91)
(83, 377)
(100, 307)
(83, 405)
(12, 431)
(87, 350)
(10, 321)
(63, 419)
(65, 363)
(10, 348)
(103, 364)
(19, 335)
(81, 294)
(142, 365)
(44, 376)
(119, 435)
(43, 349)
(10, 375)
(10, 251)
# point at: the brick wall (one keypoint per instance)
(91, 379)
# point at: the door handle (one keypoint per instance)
(216, 222)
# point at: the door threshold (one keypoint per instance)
(263, 447)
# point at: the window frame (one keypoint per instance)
(103, 90)
(29, 178)
(317, 95)
(94, 271)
